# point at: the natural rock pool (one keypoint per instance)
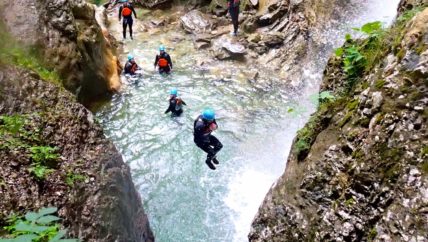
(186, 201)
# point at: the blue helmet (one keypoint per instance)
(173, 92)
(130, 57)
(208, 114)
(161, 48)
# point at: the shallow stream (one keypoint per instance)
(186, 201)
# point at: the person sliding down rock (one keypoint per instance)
(175, 103)
(204, 125)
(131, 66)
(126, 11)
(233, 6)
(163, 61)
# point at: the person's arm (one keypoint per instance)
(199, 130)
(183, 102)
(133, 10)
(156, 60)
(168, 58)
(171, 107)
(120, 13)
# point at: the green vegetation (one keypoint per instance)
(43, 158)
(14, 136)
(379, 84)
(12, 53)
(72, 178)
(41, 226)
(372, 234)
(350, 202)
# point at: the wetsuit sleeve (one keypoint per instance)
(120, 13)
(168, 58)
(170, 108)
(156, 60)
(133, 10)
(183, 102)
(127, 68)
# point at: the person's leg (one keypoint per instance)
(124, 23)
(216, 147)
(235, 19)
(209, 150)
(130, 22)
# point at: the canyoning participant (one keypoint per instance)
(204, 125)
(233, 6)
(131, 66)
(126, 11)
(175, 103)
(163, 61)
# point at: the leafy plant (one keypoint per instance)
(372, 29)
(12, 124)
(72, 178)
(43, 157)
(41, 154)
(41, 226)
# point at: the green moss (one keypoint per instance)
(364, 122)
(379, 84)
(372, 234)
(357, 154)
(350, 202)
(424, 168)
(345, 119)
(352, 105)
(27, 57)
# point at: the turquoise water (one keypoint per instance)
(184, 199)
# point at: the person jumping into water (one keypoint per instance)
(163, 61)
(175, 104)
(126, 11)
(204, 125)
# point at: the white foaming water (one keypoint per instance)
(248, 187)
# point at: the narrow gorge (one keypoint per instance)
(326, 100)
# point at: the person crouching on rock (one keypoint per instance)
(126, 11)
(163, 61)
(233, 6)
(175, 104)
(131, 66)
(204, 125)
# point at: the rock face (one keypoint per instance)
(68, 36)
(226, 47)
(358, 171)
(196, 22)
(90, 184)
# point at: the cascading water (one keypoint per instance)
(185, 200)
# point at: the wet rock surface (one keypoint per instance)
(69, 37)
(196, 22)
(102, 205)
(365, 176)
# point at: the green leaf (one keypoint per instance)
(45, 220)
(7, 240)
(326, 95)
(58, 236)
(46, 211)
(370, 28)
(68, 240)
(23, 227)
(339, 52)
(32, 217)
(25, 238)
(348, 37)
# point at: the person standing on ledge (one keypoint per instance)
(163, 61)
(233, 6)
(126, 11)
(203, 126)
(175, 104)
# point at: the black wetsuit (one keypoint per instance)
(234, 14)
(174, 108)
(127, 20)
(130, 67)
(165, 69)
(204, 140)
